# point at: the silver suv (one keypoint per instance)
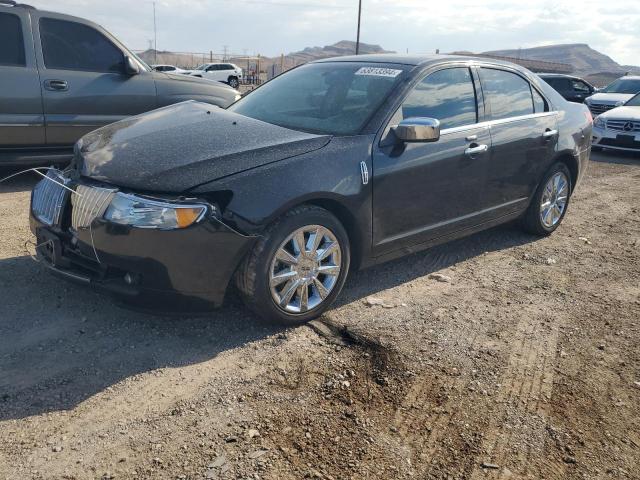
(62, 76)
(614, 95)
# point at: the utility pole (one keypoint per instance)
(359, 17)
(155, 35)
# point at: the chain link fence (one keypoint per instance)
(257, 69)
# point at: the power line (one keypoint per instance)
(155, 34)
(359, 17)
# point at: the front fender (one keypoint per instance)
(329, 177)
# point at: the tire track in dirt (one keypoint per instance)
(517, 430)
(419, 432)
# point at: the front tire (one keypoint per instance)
(550, 202)
(297, 268)
(233, 82)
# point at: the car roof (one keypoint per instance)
(556, 75)
(415, 60)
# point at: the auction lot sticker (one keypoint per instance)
(379, 72)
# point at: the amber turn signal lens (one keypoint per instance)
(186, 216)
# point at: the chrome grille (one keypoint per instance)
(49, 197)
(623, 125)
(89, 203)
(599, 108)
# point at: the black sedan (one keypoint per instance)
(574, 89)
(335, 165)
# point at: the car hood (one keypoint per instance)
(181, 146)
(610, 98)
(187, 79)
(623, 113)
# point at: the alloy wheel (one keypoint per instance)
(554, 199)
(305, 269)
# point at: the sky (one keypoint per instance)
(272, 27)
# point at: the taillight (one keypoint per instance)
(588, 116)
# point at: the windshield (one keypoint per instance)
(202, 67)
(634, 102)
(328, 98)
(623, 86)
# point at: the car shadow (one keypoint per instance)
(618, 157)
(381, 277)
(62, 344)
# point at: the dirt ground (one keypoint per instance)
(522, 362)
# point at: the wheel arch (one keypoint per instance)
(572, 164)
(348, 221)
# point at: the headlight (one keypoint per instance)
(599, 123)
(144, 213)
(620, 103)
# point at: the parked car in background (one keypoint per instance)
(168, 69)
(619, 128)
(62, 76)
(614, 95)
(219, 72)
(337, 164)
(573, 89)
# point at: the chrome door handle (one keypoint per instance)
(549, 133)
(56, 85)
(471, 151)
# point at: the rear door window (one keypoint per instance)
(580, 86)
(11, 41)
(74, 46)
(447, 95)
(508, 94)
(560, 84)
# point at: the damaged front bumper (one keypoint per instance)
(170, 271)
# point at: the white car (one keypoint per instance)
(613, 95)
(220, 72)
(168, 69)
(619, 128)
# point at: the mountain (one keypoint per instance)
(582, 57)
(342, 48)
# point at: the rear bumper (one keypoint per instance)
(177, 271)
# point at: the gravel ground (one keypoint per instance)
(497, 356)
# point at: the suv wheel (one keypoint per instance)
(297, 268)
(233, 82)
(550, 202)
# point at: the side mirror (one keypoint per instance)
(418, 129)
(130, 66)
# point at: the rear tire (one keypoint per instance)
(550, 202)
(285, 284)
